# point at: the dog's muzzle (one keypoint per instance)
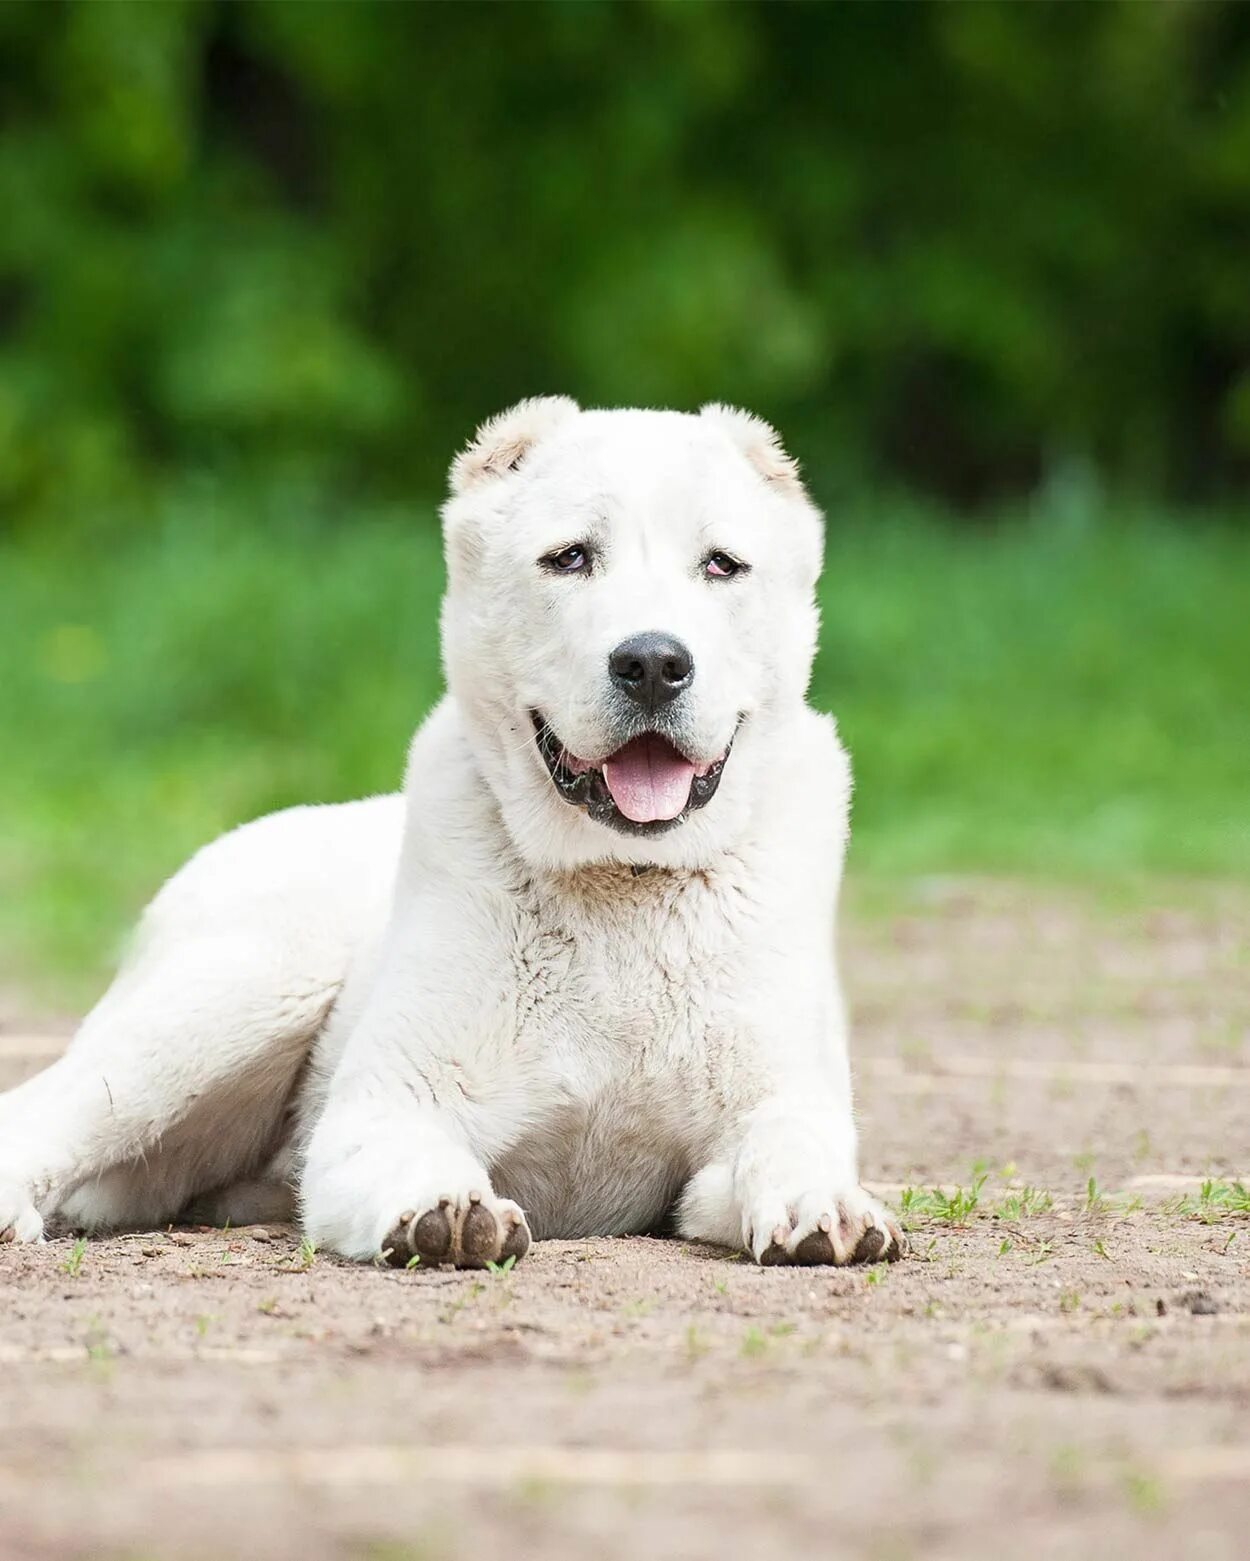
(647, 786)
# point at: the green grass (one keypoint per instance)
(73, 1263)
(933, 1203)
(1044, 697)
(1041, 697)
(1216, 1200)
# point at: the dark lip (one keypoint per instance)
(589, 790)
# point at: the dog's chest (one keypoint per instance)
(629, 974)
(628, 1037)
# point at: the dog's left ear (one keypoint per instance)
(761, 445)
(502, 443)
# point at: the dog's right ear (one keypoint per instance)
(761, 444)
(502, 443)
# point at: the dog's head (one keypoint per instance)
(628, 622)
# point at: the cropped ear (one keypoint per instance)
(502, 442)
(761, 445)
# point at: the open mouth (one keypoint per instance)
(646, 787)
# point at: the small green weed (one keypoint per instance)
(1023, 1203)
(754, 1343)
(934, 1203)
(73, 1263)
(1218, 1200)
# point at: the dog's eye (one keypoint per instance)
(722, 566)
(569, 560)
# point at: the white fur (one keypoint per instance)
(477, 993)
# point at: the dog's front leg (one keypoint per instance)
(390, 1173)
(786, 1190)
(421, 1100)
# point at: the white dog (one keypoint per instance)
(579, 978)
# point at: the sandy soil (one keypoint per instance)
(1058, 1368)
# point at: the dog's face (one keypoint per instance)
(629, 620)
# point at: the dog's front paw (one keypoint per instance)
(470, 1232)
(823, 1227)
(20, 1220)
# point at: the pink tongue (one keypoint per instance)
(648, 779)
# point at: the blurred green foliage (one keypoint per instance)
(263, 267)
(965, 247)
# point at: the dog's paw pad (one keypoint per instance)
(480, 1236)
(814, 1250)
(426, 1237)
(832, 1230)
(470, 1233)
(516, 1241)
(432, 1234)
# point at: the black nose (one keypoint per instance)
(651, 668)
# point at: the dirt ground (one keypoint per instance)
(1062, 1367)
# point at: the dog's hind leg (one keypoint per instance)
(182, 1078)
(268, 1197)
(139, 1194)
(178, 1082)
